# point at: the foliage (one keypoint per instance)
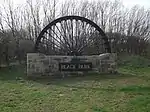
(133, 61)
(128, 44)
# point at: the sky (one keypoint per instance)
(127, 3)
(130, 3)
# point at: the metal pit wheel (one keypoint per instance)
(72, 35)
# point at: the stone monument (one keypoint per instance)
(71, 44)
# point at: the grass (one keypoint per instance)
(128, 91)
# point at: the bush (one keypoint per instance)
(134, 61)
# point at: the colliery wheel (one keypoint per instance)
(72, 35)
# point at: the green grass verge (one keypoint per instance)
(124, 92)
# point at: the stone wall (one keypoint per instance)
(41, 65)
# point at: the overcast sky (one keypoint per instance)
(127, 3)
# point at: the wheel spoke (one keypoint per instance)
(63, 36)
(60, 43)
(47, 40)
(90, 39)
(66, 36)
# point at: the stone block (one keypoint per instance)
(40, 64)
